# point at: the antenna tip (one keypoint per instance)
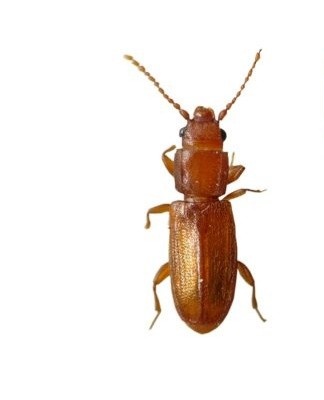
(258, 55)
(128, 57)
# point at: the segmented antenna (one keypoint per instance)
(184, 113)
(223, 113)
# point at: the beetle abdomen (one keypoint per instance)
(202, 261)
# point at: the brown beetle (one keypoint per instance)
(202, 253)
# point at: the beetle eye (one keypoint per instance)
(182, 131)
(223, 134)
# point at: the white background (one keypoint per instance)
(81, 134)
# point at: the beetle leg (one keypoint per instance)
(240, 192)
(156, 210)
(234, 172)
(247, 276)
(162, 273)
(169, 164)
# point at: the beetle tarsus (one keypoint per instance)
(154, 320)
(255, 303)
(148, 222)
(260, 315)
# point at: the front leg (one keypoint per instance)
(169, 164)
(156, 210)
(235, 171)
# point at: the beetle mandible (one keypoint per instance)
(203, 261)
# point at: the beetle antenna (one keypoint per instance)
(223, 113)
(184, 113)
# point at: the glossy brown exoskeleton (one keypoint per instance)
(202, 254)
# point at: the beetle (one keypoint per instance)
(203, 261)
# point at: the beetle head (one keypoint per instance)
(203, 131)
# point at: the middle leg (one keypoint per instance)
(156, 210)
(240, 192)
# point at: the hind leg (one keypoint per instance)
(247, 276)
(162, 273)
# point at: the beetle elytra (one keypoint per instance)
(203, 261)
